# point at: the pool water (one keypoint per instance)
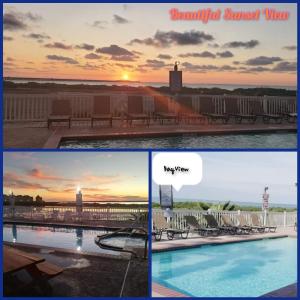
(248, 269)
(59, 237)
(274, 140)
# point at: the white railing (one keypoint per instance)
(37, 107)
(61, 213)
(280, 219)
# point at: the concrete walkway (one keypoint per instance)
(194, 240)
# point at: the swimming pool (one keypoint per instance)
(270, 140)
(248, 269)
(59, 237)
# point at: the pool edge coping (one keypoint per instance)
(121, 256)
(59, 134)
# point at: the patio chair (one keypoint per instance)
(101, 110)
(257, 223)
(194, 225)
(161, 225)
(186, 111)
(290, 110)
(135, 110)
(238, 229)
(60, 112)
(232, 109)
(213, 223)
(258, 110)
(208, 109)
(161, 110)
(252, 228)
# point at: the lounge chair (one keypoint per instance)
(161, 225)
(60, 112)
(257, 223)
(252, 228)
(161, 110)
(135, 110)
(194, 225)
(213, 223)
(187, 112)
(289, 112)
(101, 110)
(233, 110)
(258, 109)
(238, 229)
(208, 109)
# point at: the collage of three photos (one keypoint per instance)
(149, 156)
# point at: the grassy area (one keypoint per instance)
(205, 206)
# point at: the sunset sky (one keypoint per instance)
(113, 176)
(141, 42)
(242, 176)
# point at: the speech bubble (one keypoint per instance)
(177, 169)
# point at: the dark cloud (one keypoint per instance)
(37, 36)
(225, 54)
(8, 38)
(120, 20)
(236, 62)
(195, 54)
(13, 22)
(137, 52)
(227, 68)
(213, 45)
(89, 66)
(98, 24)
(115, 50)
(207, 68)
(291, 48)
(34, 17)
(123, 58)
(10, 59)
(64, 59)
(285, 67)
(154, 64)
(12, 180)
(262, 60)
(164, 56)
(85, 46)
(238, 44)
(58, 45)
(256, 70)
(92, 56)
(125, 66)
(165, 39)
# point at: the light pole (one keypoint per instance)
(265, 204)
(12, 200)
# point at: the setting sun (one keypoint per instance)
(125, 76)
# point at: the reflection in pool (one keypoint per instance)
(59, 237)
(270, 140)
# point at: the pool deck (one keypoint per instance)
(90, 275)
(34, 136)
(196, 241)
(97, 224)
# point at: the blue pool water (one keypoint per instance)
(272, 140)
(248, 269)
(59, 237)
